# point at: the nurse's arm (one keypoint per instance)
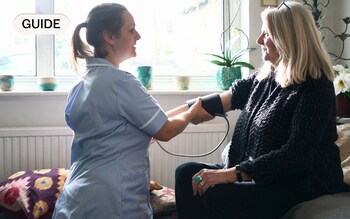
(176, 124)
(177, 110)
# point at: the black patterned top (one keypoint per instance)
(287, 135)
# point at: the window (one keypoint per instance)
(17, 51)
(175, 37)
(175, 34)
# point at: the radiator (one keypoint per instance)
(49, 147)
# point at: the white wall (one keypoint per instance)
(46, 109)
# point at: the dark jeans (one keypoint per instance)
(233, 200)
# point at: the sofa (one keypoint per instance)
(335, 206)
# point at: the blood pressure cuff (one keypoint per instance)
(211, 103)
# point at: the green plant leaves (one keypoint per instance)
(229, 60)
(243, 64)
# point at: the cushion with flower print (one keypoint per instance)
(33, 193)
(163, 203)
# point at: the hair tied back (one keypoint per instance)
(84, 24)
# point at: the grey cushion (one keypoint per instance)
(336, 206)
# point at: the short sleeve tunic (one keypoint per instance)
(113, 118)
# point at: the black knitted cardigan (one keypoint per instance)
(287, 135)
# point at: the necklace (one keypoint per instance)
(271, 83)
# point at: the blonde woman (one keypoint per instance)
(282, 150)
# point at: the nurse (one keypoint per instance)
(113, 118)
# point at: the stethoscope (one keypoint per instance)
(184, 155)
(204, 154)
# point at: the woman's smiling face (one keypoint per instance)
(128, 36)
(268, 48)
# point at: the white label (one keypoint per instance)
(41, 23)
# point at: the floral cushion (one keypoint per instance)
(32, 194)
(163, 203)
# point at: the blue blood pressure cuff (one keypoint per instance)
(211, 103)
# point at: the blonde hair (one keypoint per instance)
(298, 42)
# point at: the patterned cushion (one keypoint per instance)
(32, 192)
(163, 203)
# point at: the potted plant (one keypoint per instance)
(228, 61)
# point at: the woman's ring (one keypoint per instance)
(201, 183)
(197, 179)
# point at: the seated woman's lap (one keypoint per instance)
(232, 200)
(184, 194)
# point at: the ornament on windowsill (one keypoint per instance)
(342, 90)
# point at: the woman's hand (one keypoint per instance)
(198, 112)
(211, 177)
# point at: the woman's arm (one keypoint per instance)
(226, 100)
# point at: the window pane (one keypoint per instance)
(17, 51)
(175, 34)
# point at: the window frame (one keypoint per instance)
(45, 58)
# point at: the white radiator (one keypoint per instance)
(38, 148)
(33, 148)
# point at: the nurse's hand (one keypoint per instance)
(199, 114)
(177, 124)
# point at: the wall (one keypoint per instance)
(333, 15)
(46, 109)
(342, 8)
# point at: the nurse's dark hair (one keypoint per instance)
(106, 16)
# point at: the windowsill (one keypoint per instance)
(161, 86)
(65, 93)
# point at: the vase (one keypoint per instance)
(7, 82)
(48, 83)
(343, 106)
(225, 76)
(144, 74)
(182, 82)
